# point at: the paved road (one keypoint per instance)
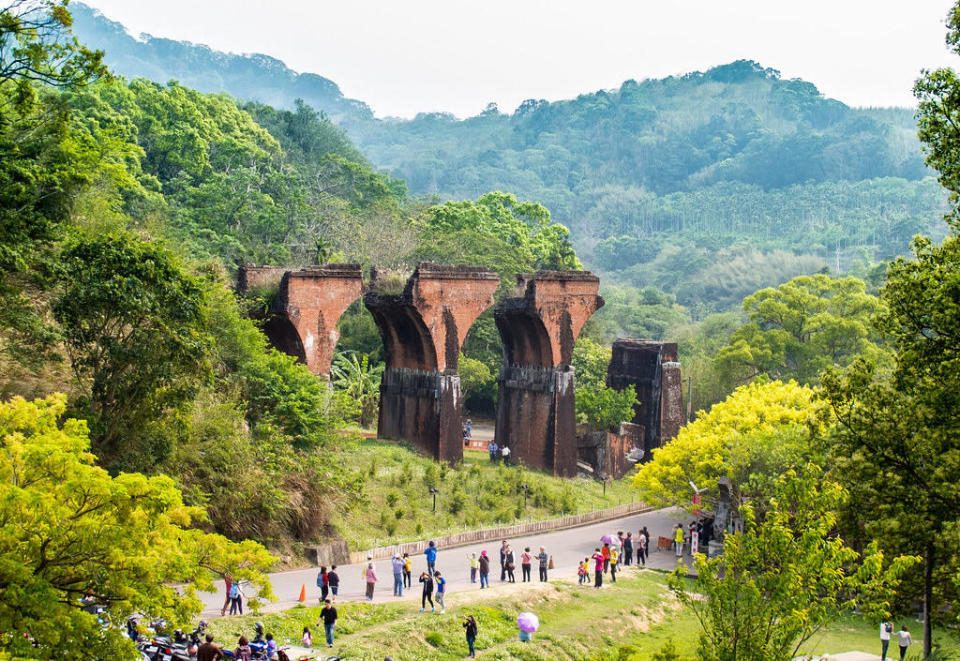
(567, 547)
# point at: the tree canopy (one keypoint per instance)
(73, 536)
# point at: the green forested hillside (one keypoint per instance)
(706, 186)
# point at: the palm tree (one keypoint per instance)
(352, 373)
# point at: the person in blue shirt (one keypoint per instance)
(431, 553)
(494, 451)
(441, 590)
(398, 565)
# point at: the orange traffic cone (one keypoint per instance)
(303, 593)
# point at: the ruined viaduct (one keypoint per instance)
(423, 326)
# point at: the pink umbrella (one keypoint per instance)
(528, 622)
(610, 539)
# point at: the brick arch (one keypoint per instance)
(423, 329)
(283, 336)
(407, 342)
(525, 338)
(535, 404)
(311, 301)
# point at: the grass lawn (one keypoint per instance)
(396, 505)
(576, 623)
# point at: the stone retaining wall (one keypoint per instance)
(503, 532)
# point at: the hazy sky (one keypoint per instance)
(408, 56)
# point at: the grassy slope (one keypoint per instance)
(576, 623)
(471, 495)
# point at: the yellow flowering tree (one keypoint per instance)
(752, 437)
(71, 535)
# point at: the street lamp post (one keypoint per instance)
(433, 492)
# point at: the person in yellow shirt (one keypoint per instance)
(407, 569)
(474, 566)
(614, 558)
(678, 540)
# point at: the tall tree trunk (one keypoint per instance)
(927, 598)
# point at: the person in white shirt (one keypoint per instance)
(505, 452)
(886, 628)
(904, 641)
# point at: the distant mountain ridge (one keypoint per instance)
(254, 77)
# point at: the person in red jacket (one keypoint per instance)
(605, 552)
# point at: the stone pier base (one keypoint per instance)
(423, 408)
(536, 417)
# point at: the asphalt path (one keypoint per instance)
(568, 547)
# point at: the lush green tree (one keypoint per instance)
(353, 375)
(477, 381)
(136, 330)
(36, 46)
(785, 576)
(801, 328)
(895, 443)
(70, 532)
(496, 224)
(752, 437)
(597, 405)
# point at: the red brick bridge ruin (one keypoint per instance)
(423, 324)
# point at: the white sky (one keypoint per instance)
(407, 56)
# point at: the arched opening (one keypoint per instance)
(407, 342)
(525, 339)
(478, 366)
(283, 336)
(357, 366)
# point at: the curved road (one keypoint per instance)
(567, 547)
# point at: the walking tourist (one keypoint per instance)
(904, 641)
(227, 580)
(208, 651)
(614, 559)
(678, 540)
(397, 564)
(598, 568)
(494, 451)
(505, 453)
(236, 598)
(431, 553)
(886, 628)
(323, 582)
(407, 570)
(628, 549)
(645, 535)
(441, 590)
(503, 561)
(605, 552)
(544, 560)
(333, 580)
(328, 617)
(525, 561)
(583, 571)
(511, 565)
(371, 576)
(474, 566)
(484, 570)
(427, 595)
(470, 628)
